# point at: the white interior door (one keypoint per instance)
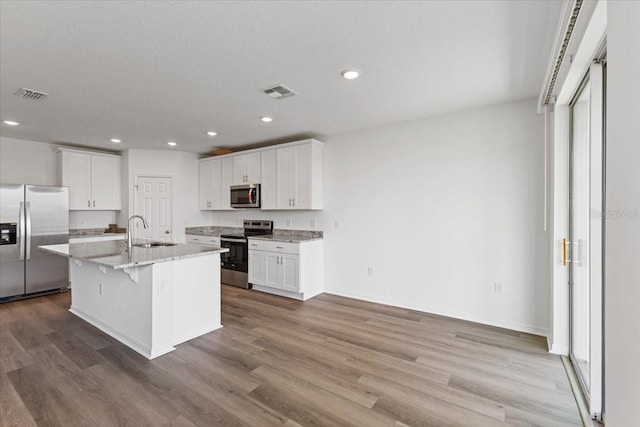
(154, 203)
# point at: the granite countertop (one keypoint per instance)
(288, 238)
(114, 254)
(212, 231)
(75, 233)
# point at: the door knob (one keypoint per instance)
(167, 232)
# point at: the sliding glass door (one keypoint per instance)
(585, 245)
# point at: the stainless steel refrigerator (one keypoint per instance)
(31, 216)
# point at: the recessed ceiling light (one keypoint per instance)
(350, 74)
(11, 123)
(266, 119)
(171, 143)
(212, 133)
(116, 140)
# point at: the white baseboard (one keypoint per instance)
(180, 340)
(561, 350)
(514, 326)
(279, 292)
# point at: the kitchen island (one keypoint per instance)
(150, 299)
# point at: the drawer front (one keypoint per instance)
(256, 244)
(283, 247)
(203, 240)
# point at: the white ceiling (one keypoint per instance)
(153, 71)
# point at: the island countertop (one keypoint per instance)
(114, 253)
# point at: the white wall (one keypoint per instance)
(442, 208)
(622, 269)
(303, 220)
(27, 162)
(30, 162)
(183, 168)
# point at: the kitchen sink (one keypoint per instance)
(154, 244)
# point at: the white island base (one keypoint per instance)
(150, 308)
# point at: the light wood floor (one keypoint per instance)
(330, 361)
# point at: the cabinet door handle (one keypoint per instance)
(279, 247)
(94, 203)
(294, 201)
(88, 203)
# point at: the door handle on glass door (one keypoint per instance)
(575, 252)
(565, 248)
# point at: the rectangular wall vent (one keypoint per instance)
(31, 94)
(279, 92)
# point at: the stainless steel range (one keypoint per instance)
(235, 263)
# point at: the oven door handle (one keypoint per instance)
(224, 239)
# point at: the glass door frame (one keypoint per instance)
(594, 392)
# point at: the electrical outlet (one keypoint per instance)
(100, 288)
(371, 271)
(337, 225)
(313, 223)
(497, 287)
(288, 223)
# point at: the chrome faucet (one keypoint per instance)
(129, 235)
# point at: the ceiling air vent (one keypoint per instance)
(279, 92)
(31, 94)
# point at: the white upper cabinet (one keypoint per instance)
(268, 188)
(210, 190)
(299, 176)
(246, 168)
(215, 178)
(290, 176)
(226, 182)
(94, 179)
(206, 199)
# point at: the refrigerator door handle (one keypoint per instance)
(21, 232)
(27, 223)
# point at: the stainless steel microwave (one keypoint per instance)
(245, 196)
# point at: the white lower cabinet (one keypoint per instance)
(280, 271)
(289, 266)
(293, 270)
(256, 267)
